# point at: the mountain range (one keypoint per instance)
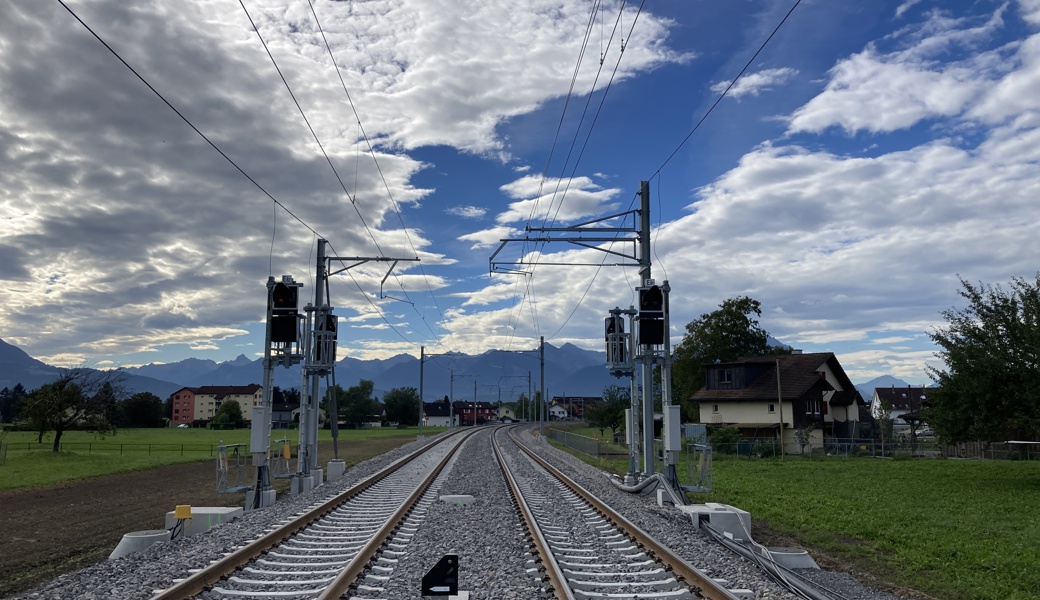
(498, 374)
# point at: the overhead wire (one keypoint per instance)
(386, 186)
(321, 146)
(581, 153)
(186, 120)
(277, 203)
(728, 88)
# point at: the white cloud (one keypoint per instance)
(467, 212)
(905, 6)
(555, 200)
(753, 83)
(876, 92)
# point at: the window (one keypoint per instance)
(725, 376)
(714, 408)
(771, 409)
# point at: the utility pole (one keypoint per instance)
(780, 402)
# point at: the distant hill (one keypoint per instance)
(18, 367)
(867, 389)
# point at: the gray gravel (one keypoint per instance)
(494, 556)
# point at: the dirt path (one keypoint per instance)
(56, 529)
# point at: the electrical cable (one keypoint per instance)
(728, 88)
(386, 186)
(588, 136)
(184, 118)
(213, 145)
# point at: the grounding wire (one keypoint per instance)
(386, 186)
(185, 119)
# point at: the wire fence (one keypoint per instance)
(111, 448)
(581, 443)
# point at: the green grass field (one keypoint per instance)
(954, 529)
(29, 464)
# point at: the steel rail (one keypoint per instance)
(684, 571)
(541, 546)
(197, 582)
(348, 577)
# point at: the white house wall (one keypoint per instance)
(745, 412)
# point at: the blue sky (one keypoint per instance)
(871, 154)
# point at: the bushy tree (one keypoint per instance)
(78, 397)
(990, 386)
(402, 406)
(143, 409)
(609, 414)
(723, 335)
(229, 415)
(355, 404)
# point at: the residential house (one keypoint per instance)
(465, 412)
(284, 414)
(183, 401)
(904, 404)
(813, 394)
(505, 413)
(573, 405)
(208, 399)
(558, 412)
(439, 414)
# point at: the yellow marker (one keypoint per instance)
(286, 452)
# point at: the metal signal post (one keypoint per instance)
(281, 347)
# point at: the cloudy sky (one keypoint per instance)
(870, 155)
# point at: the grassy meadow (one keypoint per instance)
(29, 464)
(954, 529)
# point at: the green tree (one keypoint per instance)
(167, 408)
(609, 414)
(229, 415)
(723, 335)
(990, 386)
(143, 409)
(402, 406)
(79, 397)
(11, 402)
(356, 404)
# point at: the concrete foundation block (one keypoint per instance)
(136, 541)
(722, 517)
(204, 518)
(267, 498)
(318, 475)
(336, 468)
(301, 484)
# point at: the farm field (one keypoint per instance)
(953, 529)
(65, 511)
(83, 455)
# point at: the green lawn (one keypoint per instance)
(83, 455)
(955, 529)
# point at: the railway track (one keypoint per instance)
(587, 549)
(569, 545)
(321, 553)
